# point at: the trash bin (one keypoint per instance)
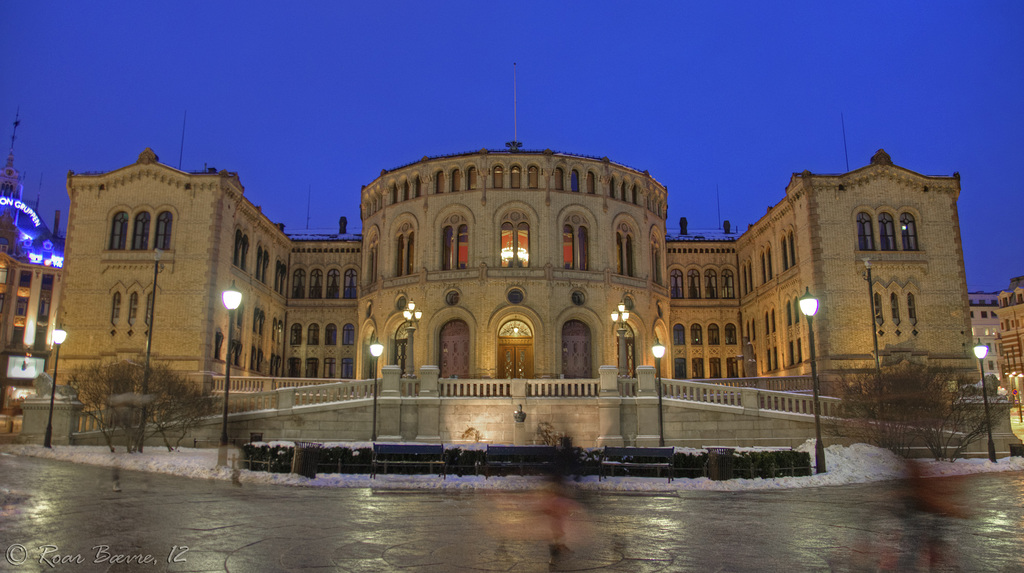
(305, 459)
(1017, 450)
(720, 463)
(255, 437)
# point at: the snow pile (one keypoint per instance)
(858, 463)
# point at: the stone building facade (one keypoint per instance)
(515, 260)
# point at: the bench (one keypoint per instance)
(403, 455)
(646, 458)
(538, 459)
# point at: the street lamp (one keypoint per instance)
(150, 319)
(621, 324)
(413, 316)
(871, 303)
(981, 351)
(809, 306)
(659, 350)
(58, 339)
(376, 349)
(232, 299)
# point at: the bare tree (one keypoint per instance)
(107, 392)
(177, 405)
(908, 404)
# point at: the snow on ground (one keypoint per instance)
(858, 463)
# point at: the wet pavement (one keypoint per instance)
(60, 516)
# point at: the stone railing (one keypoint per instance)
(795, 403)
(266, 383)
(562, 388)
(690, 391)
(460, 388)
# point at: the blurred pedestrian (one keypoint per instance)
(926, 507)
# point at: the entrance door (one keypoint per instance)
(575, 350)
(454, 350)
(515, 350)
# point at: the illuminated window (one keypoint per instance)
(515, 175)
(591, 184)
(531, 177)
(908, 229)
(439, 182)
(515, 243)
(710, 284)
(499, 177)
(456, 180)
(728, 288)
(730, 333)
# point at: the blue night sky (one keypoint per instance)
(315, 98)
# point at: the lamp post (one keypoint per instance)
(232, 298)
(659, 350)
(809, 306)
(58, 339)
(621, 329)
(150, 319)
(376, 349)
(413, 316)
(981, 351)
(874, 326)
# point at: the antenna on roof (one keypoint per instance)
(39, 192)
(718, 199)
(515, 144)
(182, 150)
(309, 194)
(17, 121)
(845, 152)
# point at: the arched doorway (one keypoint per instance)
(630, 350)
(515, 350)
(575, 349)
(399, 345)
(454, 348)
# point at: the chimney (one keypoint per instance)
(281, 226)
(682, 225)
(56, 223)
(342, 225)
(726, 226)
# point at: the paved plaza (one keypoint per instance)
(57, 511)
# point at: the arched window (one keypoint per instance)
(591, 184)
(559, 177)
(785, 254)
(696, 334)
(296, 337)
(218, 341)
(456, 180)
(574, 181)
(768, 256)
(312, 367)
(636, 193)
(333, 283)
(119, 231)
(350, 284)
(675, 278)
(405, 191)
(908, 228)
(515, 244)
(115, 309)
(730, 333)
(394, 194)
(789, 314)
(583, 248)
(348, 335)
(259, 260)
(911, 308)
(299, 284)
(417, 187)
(313, 334)
(886, 233)
(728, 288)
(515, 175)
(133, 307)
(404, 258)
(532, 177)
(792, 250)
(865, 234)
(471, 177)
(330, 335)
(316, 283)
(568, 246)
(764, 270)
(713, 337)
(678, 334)
(693, 283)
(656, 261)
(499, 177)
(894, 304)
(710, 284)
(140, 232)
(628, 252)
(611, 187)
(455, 247)
(163, 231)
(879, 317)
(439, 182)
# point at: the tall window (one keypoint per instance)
(299, 284)
(675, 278)
(312, 367)
(313, 334)
(698, 367)
(348, 335)
(714, 367)
(879, 317)
(499, 177)
(792, 250)
(568, 246)
(908, 229)
(656, 261)
(732, 369)
(329, 367)
(710, 284)
(730, 333)
(693, 283)
(471, 177)
(894, 305)
(559, 177)
(133, 307)
(591, 184)
(119, 231)
(330, 335)
(886, 232)
(140, 232)
(515, 244)
(456, 180)
(163, 231)
(515, 175)
(115, 309)
(350, 284)
(296, 336)
(439, 182)
(333, 283)
(768, 256)
(624, 251)
(865, 234)
(582, 248)
(405, 191)
(728, 288)
(455, 247)
(911, 308)
(347, 369)
(532, 177)
(574, 181)
(316, 283)
(713, 337)
(404, 257)
(785, 254)
(678, 334)
(696, 334)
